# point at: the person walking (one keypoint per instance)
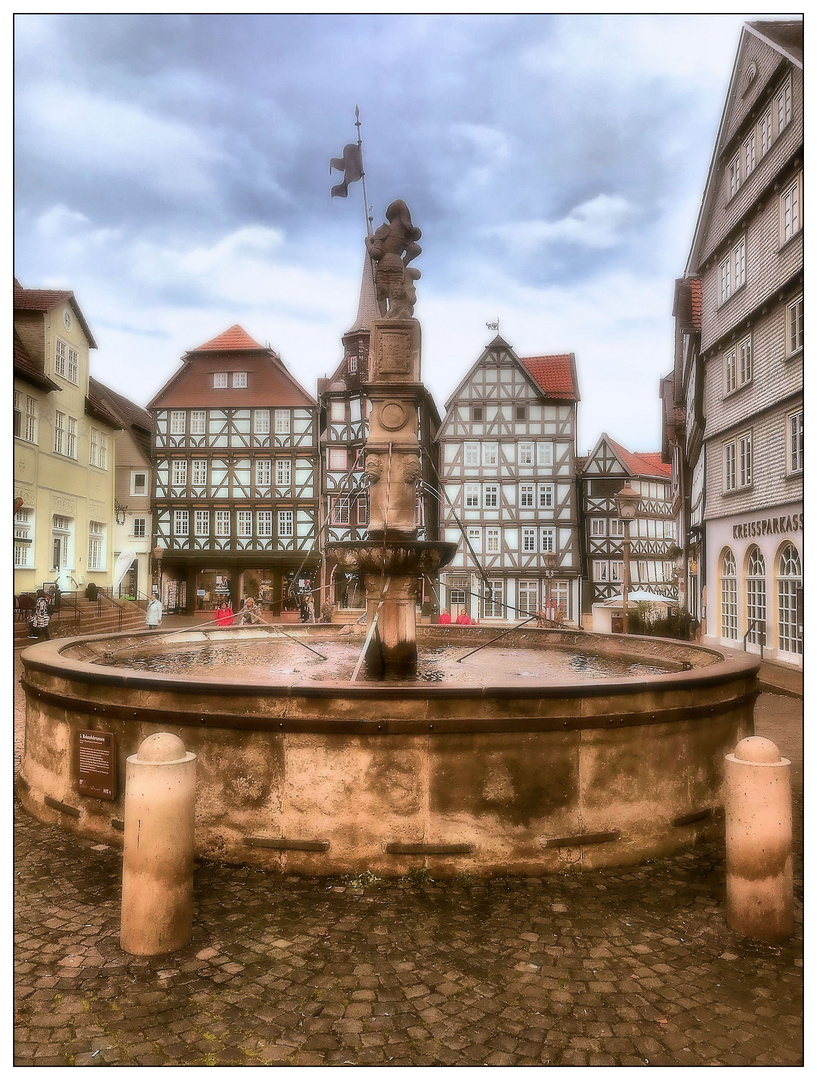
(154, 612)
(41, 617)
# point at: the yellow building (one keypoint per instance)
(63, 448)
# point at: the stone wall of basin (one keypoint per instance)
(330, 779)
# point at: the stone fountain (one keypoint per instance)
(391, 559)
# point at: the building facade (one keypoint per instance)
(235, 491)
(747, 253)
(604, 473)
(508, 487)
(344, 410)
(63, 448)
(133, 521)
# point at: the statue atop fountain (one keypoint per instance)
(392, 558)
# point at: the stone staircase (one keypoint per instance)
(86, 620)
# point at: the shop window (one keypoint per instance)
(729, 596)
(789, 601)
(756, 596)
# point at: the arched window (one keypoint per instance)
(789, 601)
(729, 595)
(756, 596)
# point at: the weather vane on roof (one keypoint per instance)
(493, 325)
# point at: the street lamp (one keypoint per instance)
(549, 561)
(627, 503)
(158, 555)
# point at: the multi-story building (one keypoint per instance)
(344, 429)
(508, 486)
(747, 255)
(235, 492)
(605, 472)
(63, 448)
(133, 529)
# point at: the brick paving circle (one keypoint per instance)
(632, 966)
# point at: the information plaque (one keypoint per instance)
(96, 764)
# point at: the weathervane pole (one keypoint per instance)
(363, 175)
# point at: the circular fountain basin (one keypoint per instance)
(546, 750)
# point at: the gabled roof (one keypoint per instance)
(640, 464)
(555, 375)
(236, 339)
(46, 300)
(25, 368)
(367, 310)
(785, 35)
(132, 417)
(97, 406)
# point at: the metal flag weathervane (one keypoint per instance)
(493, 325)
(351, 165)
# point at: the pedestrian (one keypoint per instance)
(224, 615)
(250, 615)
(444, 618)
(154, 612)
(41, 617)
(463, 619)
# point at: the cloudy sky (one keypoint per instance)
(173, 172)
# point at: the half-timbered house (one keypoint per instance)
(344, 410)
(235, 441)
(605, 471)
(508, 486)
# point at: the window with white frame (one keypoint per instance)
(789, 601)
(96, 545)
(528, 540)
(794, 326)
(616, 527)
(725, 278)
(201, 522)
(240, 379)
(18, 415)
(560, 595)
(756, 595)
(263, 523)
(244, 523)
(23, 536)
(471, 453)
(286, 523)
(200, 472)
(783, 103)
(526, 453)
(794, 426)
(181, 522)
(66, 362)
(598, 526)
(337, 459)
(733, 175)
(29, 429)
(491, 496)
(749, 153)
(283, 421)
(339, 509)
(138, 482)
(729, 595)
(547, 493)
(490, 453)
(475, 539)
(471, 496)
(643, 572)
(260, 421)
(337, 411)
(528, 598)
(764, 130)
(730, 371)
(544, 453)
(362, 510)
(283, 472)
(492, 541)
(730, 472)
(745, 459)
(93, 448)
(59, 432)
(139, 527)
(179, 472)
(547, 539)
(220, 380)
(739, 264)
(526, 496)
(178, 424)
(263, 472)
(492, 601)
(601, 570)
(744, 361)
(616, 570)
(222, 523)
(71, 437)
(198, 422)
(790, 216)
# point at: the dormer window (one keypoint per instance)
(240, 379)
(220, 380)
(353, 363)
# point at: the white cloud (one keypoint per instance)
(597, 224)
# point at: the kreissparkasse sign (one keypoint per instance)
(785, 523)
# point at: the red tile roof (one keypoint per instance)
(646, 464)
(46, 300)
(236, 339)
(695, 299)
(554, 375)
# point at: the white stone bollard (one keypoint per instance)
(157, 874)
(759, 886)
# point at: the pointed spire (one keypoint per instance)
(367, 309)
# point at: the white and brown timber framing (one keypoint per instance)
(244, 455)
(507, 466)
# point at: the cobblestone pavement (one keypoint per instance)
(618, 967)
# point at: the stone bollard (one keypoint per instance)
(759, 887)
(157, 874)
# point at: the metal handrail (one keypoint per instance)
(752, 624)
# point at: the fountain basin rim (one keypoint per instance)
(48, 656)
